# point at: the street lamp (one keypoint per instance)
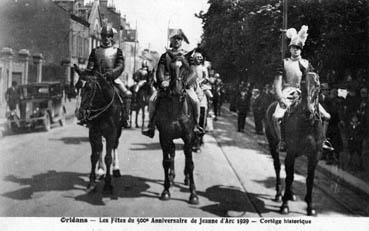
(284, 28)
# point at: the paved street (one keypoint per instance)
(45, 174)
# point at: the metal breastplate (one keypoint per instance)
(293, 73)
(105, 59)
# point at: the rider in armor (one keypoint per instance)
(165, 76)
(108, 61)
(141, 76)
(288, 80)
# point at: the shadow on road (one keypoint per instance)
(151, 146)
(72, 140)
(145, 146)
(50, 181)
(231, 201)
(126, 186)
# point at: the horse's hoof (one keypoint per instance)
(108, 189)
(186, 181)
(137, 126)
(285, 209)
(311, 212)
(116, 173)
(194, 199)
(165, 196)
(278, 198)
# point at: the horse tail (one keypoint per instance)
(270, 130)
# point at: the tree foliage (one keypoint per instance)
(243, 38)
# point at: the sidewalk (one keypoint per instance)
(360, 185)
(70, 106)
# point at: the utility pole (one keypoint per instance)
(284, 28)
(134, 51)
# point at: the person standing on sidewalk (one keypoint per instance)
(12, 97)
(243, 106)
(257, 109)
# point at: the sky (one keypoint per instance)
(154, 16)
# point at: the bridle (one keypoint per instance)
(100, 110)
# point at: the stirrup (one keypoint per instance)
(327, 145)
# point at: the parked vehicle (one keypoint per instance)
(40, 105)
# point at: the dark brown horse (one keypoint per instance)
(303, 129)
(141, 93)
(103, 108)
(175, 120)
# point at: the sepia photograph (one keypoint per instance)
(184, 114)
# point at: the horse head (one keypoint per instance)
(97, 91)
(182, 74)
(310, 94)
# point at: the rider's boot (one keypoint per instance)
(326, 145)
(150, 131)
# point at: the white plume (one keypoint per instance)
(290, 33)
(303, 34)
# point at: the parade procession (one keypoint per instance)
(206, 112)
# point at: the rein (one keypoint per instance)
(101, 109)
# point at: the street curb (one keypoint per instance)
(343, 176)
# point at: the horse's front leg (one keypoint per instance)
(143, 117)
(172, 154)
(277, 168)
(189, 167)
(130, 117)
(100, 166)
(116, 170)
(92, 184)
(108, 187)
(312, 163)
(165, 195)
(96, 146)
(288, 194)
(136, 120)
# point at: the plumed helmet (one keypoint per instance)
(107, 30)
(178, 33)
(297, 39)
